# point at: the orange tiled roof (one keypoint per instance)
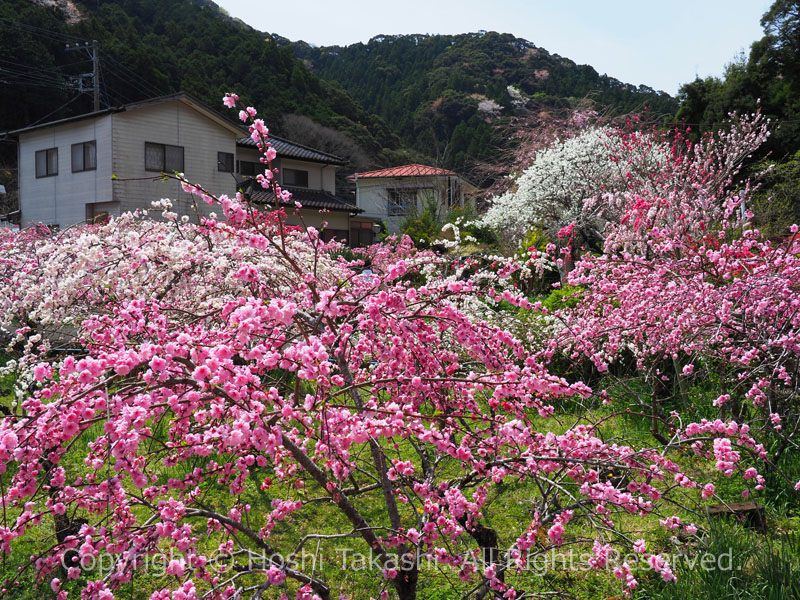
(405, 171)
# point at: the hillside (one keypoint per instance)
(154, 47)
(432, 98)
(442, 92)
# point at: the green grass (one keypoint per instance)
(762, 569)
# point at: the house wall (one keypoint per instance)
(329, 178)
(61, 199)
(313, 218)
(319, 177)
(173, 123)
(373, 196)
(252, 155)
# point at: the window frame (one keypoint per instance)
(396, 209)
(294, 172)
(46, 152)
(84, 145)
(246, 165)
(222, 165)
(164, 166)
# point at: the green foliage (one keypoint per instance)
(426, 227)
(563, 297)
(428, 87)
(779, 482)
(776, 203)
(7, 382)
(536, 238)
(154, 47)
(750, 567)
(423, 227)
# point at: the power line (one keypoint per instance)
(127, 73)
(30, 75)
(65, 105)
(35, 70)
(44, 33)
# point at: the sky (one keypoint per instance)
(651, 42)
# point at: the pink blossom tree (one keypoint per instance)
(229, 380)
(688, 290)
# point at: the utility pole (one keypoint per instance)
(95, 74)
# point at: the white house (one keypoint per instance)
(392, 195)
(104, 163)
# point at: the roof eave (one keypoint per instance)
(66, 120)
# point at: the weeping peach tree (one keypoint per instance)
(236, 388)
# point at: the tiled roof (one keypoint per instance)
(404, 171)
(287, 149)
(308, 198)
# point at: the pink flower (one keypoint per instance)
(230, 100)
(55, 584)
(721, 400)
(555, 533)
(639, 546)
(275, 576)
(176, 567)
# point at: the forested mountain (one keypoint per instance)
(154, 47)
(431, 98)
(443, 92)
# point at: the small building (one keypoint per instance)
(392, 195)
(310, 176)
(92, 166)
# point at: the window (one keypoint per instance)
(47, 162)
(249, 168)
(84, 157)
(225, 162)
(295, 177)
(401, 202)
(163, 158)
